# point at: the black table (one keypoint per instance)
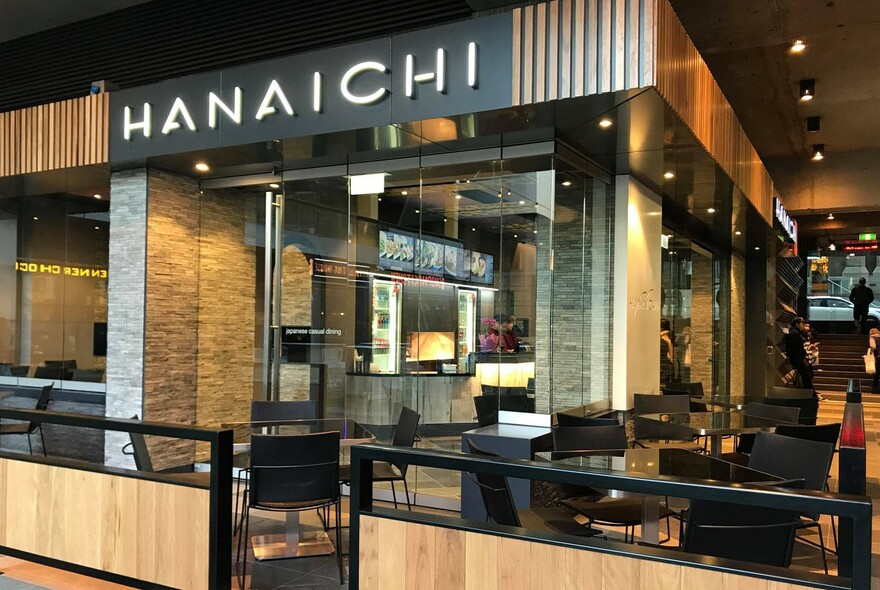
(665, 463)
(730, 402)
(712, 424)
(292, 543)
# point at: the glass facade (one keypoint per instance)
(54, 235)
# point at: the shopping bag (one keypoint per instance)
(870, 362)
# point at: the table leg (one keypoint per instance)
(716, 445)
(293, 543)
(651, 519)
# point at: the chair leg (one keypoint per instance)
(822, 547)
(406, 491)
(43, 441)
(834, 533)
(30, 445)
(339, 540)
(247, 522)
(394, 494)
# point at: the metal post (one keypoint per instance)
(267, 295)
(276, 296)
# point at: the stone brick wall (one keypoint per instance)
(172, 311)
(702, 311)
(737, 324)
(575, 288)
(126, 305)
(296, 310)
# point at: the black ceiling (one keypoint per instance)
(165, 39)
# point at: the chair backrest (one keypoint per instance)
(517, 403)
(405, 433)
(589, 438)
(265, 411)
(781, 414)
(297, 469)
(56, 373)
(790, 392)
(495, 491)
(808, 406)
(656, 404)
(67, 364)
(568, 420)
(42, 405)
(792, 458)
(826, 433)
(140, 450)
(741, 532)
(693, 389)
(487, 409)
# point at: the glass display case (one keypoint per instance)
(467, 317)
(385, 326)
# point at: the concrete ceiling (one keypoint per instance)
(745, 42)
(19, 18)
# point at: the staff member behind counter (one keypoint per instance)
(509, 338)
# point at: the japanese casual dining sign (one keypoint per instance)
(450, 70)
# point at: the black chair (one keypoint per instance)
(569, 420)
(762, 413)
(404, 436)
(649, 434)
(741, 532)
(486, 406)
(67, 364)
(144, 462)
(500, 508)
(292, 474)
(29, 428)
(794, 458)
(688, 389)
(266, 411)
(589, 438)
(808, 406)
(55, 373)
(790, 392)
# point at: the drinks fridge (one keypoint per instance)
(385, 326)
(467, 329)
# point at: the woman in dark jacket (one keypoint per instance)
(797, 354)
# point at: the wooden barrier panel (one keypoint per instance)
(398, 555)
(684, 80)
(152, 531)
(57, 135)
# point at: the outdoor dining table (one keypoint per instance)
(661, 463)
(714, 425)
(293, 543)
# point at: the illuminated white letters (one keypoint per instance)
(274, 92)
(785, 220)
(234, 113)
(146, 125)
(411, 76)
(316, 92)
(355, 70)
(178, 109)
(472, 64)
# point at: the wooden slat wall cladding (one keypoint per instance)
(397, 555)
(56, 135)
(571, 48)
(684, 80)
(147, 530)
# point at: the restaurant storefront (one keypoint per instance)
(477, 209)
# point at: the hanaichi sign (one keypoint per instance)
(443, 71)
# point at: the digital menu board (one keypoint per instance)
(455, 262)
(481, 268)
(396, 251)
(430, 258)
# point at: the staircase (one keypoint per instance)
(840, 359)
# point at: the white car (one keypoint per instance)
(832, 308)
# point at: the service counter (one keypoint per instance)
(505, 369)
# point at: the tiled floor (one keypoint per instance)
(322, 572)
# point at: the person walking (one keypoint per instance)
(667, 352)
(874, 343)
(797, 353)
(861, 296)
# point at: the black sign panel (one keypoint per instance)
(296, 341)
(454, 69)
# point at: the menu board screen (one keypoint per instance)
(455, 262)
(482, 268)
(430, 258)
(396, 251)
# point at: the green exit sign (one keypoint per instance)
(867, 237)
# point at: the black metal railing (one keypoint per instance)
(855, 510)
(220, 484)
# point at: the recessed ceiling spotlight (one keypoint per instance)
(808, 89)
(738, 233)
(669, 174)
(509, 193)
(473, 229)
(499, 195)
(202, 167)
(515, 236)
(457, 196)
(522, 202)
(404, 193)
(380, 199)
(798, 45)
(36, 218)
(605, 123)
(96, 227)
(445, 220)
(757, 247)
(852, 253)
(710, 210)
(831, 216)
(566, 183)
(468, 181)
(832, 246)
(818, 152)
(535, 231)
(97, 196)
(417, 211)
(274, 185)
